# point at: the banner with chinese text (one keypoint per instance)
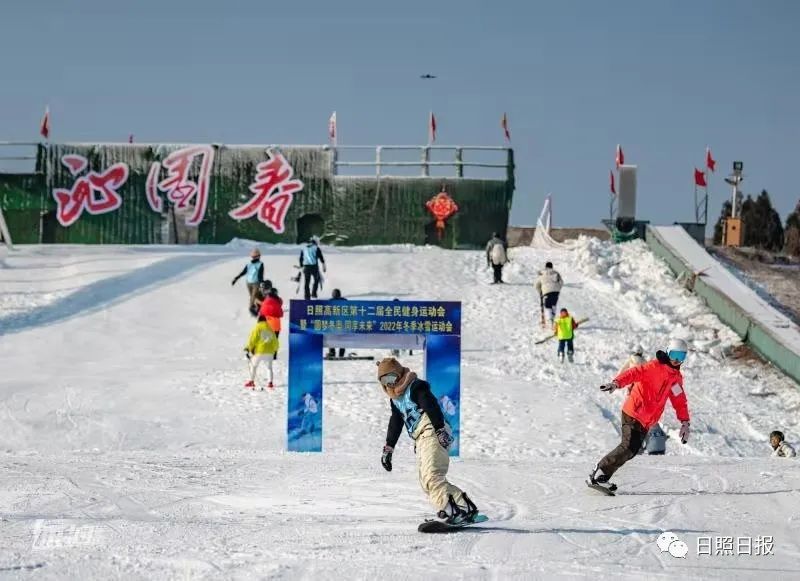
(369, 324)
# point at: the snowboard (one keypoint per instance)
(437, 526)
(608, 491)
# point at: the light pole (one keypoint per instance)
(733, 233)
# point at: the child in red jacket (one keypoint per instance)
(272, 310)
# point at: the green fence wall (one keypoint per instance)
(358, 210)
(759, 337)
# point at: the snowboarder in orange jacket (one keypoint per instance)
(653, 384)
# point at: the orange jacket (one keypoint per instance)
(653, 383)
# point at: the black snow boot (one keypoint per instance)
(452, 514)
(597, 477)
(471, 509)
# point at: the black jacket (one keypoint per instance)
(421, 395)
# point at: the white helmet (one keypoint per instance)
(637, 350)
(677, 346)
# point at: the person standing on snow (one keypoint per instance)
(261, 348)
(548, 285)
(653, 383)
(254, 276)
(413, 404)
(496, 257)
(310, 257)
(636, 358)
(781, 448)
(336, 295)
(564, 329)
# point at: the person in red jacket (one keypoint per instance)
(654, 383)
(272, 310)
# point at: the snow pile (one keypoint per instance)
(132, 451)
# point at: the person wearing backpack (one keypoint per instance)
(496, 257)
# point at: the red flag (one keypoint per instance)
(613, 188)
(711, 163)
(620, 157)
(699, 178)
(431, 128)
(332, 127)
(44, 126)
(504, 125)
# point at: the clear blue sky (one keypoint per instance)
(664, 79)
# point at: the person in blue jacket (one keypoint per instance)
(254, 276)
(310, 259)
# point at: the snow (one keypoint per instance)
(720, 278)
(129, 449)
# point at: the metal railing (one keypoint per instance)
(18, 151)
(425, 163)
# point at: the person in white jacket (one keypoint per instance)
(636, 358)
(781, 448)
(496, 257)
(548, 285)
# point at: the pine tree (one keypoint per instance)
(719, 227)
(792, 232)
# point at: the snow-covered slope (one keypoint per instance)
(130, 450)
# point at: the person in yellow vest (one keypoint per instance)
(261, 348)
(564, 328)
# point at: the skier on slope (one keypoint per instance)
(653, 383)
(548, 285)
(310, 257)
(254, 271)
(564, 329)
(496, 257)
(261, 348)
(413, 404)
(782, 449)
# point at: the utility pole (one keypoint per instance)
(733, 233)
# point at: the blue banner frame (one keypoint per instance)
(435, 325)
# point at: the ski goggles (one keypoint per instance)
(389, 379)
(679, 356)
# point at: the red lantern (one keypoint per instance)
(442, 207)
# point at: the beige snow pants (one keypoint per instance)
(432, 464)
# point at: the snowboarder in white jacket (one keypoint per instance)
(414, 406)
(496, 257)
(781, 448)
(548, 285)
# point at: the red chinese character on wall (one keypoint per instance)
(442, 207)
(273, 190)
(180, 190)
(95, 193)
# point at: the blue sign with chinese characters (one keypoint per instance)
(434, 326)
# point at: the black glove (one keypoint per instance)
(247, 352)
(609, 387)
(445, 439)
(386, 458)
